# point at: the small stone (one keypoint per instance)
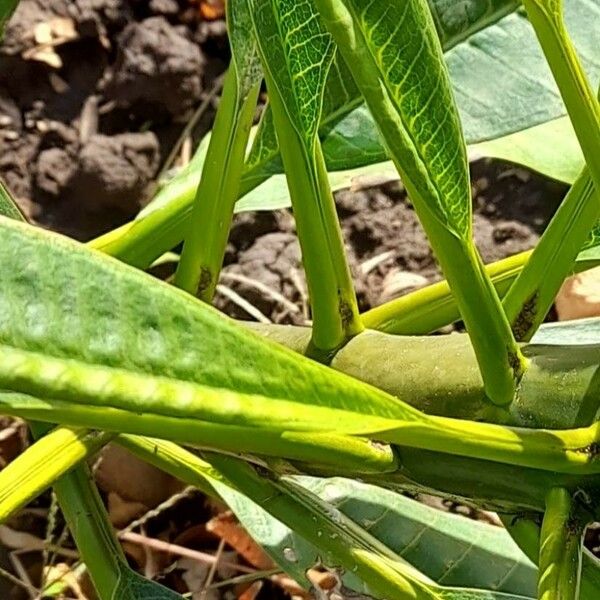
(397, 283)
(164, 7)
(579, 297)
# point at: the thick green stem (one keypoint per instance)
(332, 297)
(439, 375)
(532, 294)
(526, 534)
(499, 358)
(208, 229)
(560, 548)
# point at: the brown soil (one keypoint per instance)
(386, 245)
(82, 140)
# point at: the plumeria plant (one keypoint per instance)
(311, 435)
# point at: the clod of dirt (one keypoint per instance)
(89, 18)
(116, 170)
(157, 67)
(274, 261)
(164, 7)
(11, 121)
(55, 167)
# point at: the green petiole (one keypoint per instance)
(35, 469)
(208, 229)
(297, 55)
(219, 187)
(560, 548)
(531, 295)
(547, 19)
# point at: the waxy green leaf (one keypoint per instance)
(8, 206)
(449, 549)
(154, 361)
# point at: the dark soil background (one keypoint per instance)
(95, 99)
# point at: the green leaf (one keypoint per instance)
(6, 9)
(264, 504)
(397, 46)
(535, 148)
(42, 463)
(108, 347)
(301, 52)
(583, 332)
(318, 533)
(8, 207)
(449, 549)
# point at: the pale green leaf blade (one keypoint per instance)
(397, 40)
(84, 306)
(536, 149)
(450, 549)
(582, 332)
(298, 548)
(244, 52)
(8, 206)
(42, 463)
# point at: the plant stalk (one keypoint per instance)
(218, 191)
(547, 19)
(332, 296)
(560, 548)
(532, 294)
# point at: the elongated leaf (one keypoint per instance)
(81, 305)
(478, 68)
(396, 61)
(8, 207)
(316, 532)
(42, 463)
(319, 534)
(449, 549)
(155, 361)
(535, 148)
